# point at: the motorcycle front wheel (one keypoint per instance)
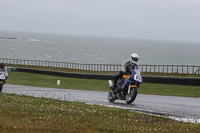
(111, 96)
(131, 96)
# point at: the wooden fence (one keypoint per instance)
(183, 69)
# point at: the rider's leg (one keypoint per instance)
(116, 78)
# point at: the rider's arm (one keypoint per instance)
(124, 65)
(136, 66)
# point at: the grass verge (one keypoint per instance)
(30, 79)
(29, 114)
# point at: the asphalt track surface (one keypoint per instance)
(180, 108)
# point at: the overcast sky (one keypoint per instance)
(146, 19)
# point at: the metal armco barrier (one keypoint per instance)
(67, 74)
(172, 80)
(182, 69)
(147, 79)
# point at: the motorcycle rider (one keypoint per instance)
(2, 68)
(125, 68)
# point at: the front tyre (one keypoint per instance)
(111, 96)
(131, 96)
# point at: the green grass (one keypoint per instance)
(29, 114)
(172, 90)
(30, 79)
(39, 80)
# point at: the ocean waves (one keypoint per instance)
(91, 50)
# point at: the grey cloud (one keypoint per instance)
(150, 19)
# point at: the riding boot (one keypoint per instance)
(114, 87)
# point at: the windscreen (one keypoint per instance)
(137, 71)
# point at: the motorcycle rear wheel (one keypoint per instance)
(131, 97)
(1, 87)
(111, 96)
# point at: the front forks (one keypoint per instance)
(129, 88)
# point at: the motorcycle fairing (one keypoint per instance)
(129, 79)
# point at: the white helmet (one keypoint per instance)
(134, 58)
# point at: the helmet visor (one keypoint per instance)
(134, 59)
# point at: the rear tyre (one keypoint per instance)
(131, 97)
(111, 96)
(1, 87)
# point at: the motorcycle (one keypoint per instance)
(2, 79)
(126, 87)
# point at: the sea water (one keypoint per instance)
(96, 50)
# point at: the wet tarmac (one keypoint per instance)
(172, 106)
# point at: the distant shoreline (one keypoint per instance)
(9, 38)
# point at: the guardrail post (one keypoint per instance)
(193, 69)
(182, 69)
(198, 71)
(177, 69)
(167, 68)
